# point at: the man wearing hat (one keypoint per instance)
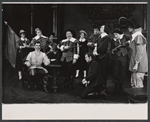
(40, 38)
(69, 57)
(93, 39)
(119, 50)
(82, 49)
(23, 42)
(139, 60)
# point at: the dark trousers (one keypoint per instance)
(104, 67)
(69, 71)
(119, 69)
(90, 89)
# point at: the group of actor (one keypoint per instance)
(90, 57)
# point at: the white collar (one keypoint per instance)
(82, 40)
(37, 37)
(23, 39)
(136, 34)
(72, 40)
(104, 34)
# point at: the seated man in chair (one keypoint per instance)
(34, 61)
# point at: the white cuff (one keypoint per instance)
(76, 56)
(62, 48)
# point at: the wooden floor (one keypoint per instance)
(13, 91)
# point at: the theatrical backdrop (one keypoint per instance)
(58, 18)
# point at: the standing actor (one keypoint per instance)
(92, 41)
(69, 58)
(101, 51)
(139, 59)
(119, 49)
(23, 42)
(81, 63)
(40, 38)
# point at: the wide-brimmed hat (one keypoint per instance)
(82, 31)
(21, 31)
(117, 30)
(129, 22)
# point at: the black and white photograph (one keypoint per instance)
(63, 53)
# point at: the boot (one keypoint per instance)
(66, 82)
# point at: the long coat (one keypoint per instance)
(138, 53)
(94, 74)
(20, 55)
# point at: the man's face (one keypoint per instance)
(88, 59)
(102, 28)
(39, 33)
(23, 35)
(37, 46)
(68, 34)
(130, 29)
(116, 35)
(96, 31)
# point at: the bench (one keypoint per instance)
(137, 95)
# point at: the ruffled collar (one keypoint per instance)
(72, 40)
(37, 37)
(23, 39)
(136, 34)
(103, 35)
(82, 40)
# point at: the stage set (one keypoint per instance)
(56, 19)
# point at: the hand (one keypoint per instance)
(83, 81)
(28, 64)
(66, 47)
(135, 68)
(95, 53)
(74, 61)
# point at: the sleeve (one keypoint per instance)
(139, 48)
(28, 42)
(18, 44)
(127, 38)
(76, 50)
(86, 47)
(32, 43)
(93, 72)
(46, 61)
(28, 59)
(104, 46)
(139, 40)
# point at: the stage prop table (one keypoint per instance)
(54, 69)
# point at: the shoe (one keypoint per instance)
(45, 89)
(77, 77)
